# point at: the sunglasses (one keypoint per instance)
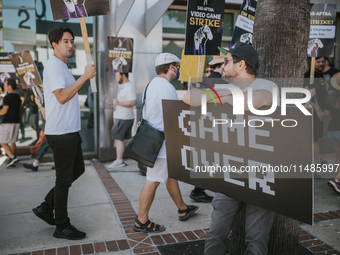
(177, 67)
(228, 59)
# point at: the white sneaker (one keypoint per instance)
(116, 164)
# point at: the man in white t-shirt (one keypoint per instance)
(160, 88)
(62, 126)
(123, 117)
(240, 66)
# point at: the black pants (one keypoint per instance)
(69, 165)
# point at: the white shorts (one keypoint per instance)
(159, 172)
(9, 132)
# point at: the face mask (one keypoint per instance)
(176, 74)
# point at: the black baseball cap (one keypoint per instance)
(243, 51)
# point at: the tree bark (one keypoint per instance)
(280, 34)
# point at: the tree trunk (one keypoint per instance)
(281, 33)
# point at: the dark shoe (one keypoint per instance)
(44, 214)
(201, 197)
(70, 233)
(191, 209)
(30, 166)
(12, 161)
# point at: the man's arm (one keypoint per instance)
(66, 94)
(42, 109)
(4, 109)
(260, 98)
(125, 104)
(319, 112)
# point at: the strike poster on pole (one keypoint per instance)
(194, 145)
(68, 9)
(322, 30)
(204, 27)
(7, 70)
(119, 54)
(243, 31)
(27, 72)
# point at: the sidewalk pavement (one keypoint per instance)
(104, 203)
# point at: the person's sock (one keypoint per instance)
(35, 164)
(119, 160)
(336, 180)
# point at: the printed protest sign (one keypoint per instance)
(7, 70)
(204, 27)
(119, 54)
(68, 9)
(265, 165)
(243, 31)
(27, 72)
(26, 69)
(322, 30)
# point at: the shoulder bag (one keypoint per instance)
(145, 145)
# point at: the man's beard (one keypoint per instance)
(229, 77)
(319, 71)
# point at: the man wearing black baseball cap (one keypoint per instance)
(240, 66)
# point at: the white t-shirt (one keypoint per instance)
(126, 93)
(159, 88)
(260, 84)
(60, 119)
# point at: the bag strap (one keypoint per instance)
(144, 98)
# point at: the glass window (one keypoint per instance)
(174, 21)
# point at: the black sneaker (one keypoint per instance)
(30, 166)
(44, 214)
(201, 197)
(70, 233)
(12, 161)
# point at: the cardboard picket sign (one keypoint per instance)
(119, 54)
(204, 27)
(243, 31)
(322, 30)
(69, 9)
(27, 72)
(194, 144)
(7, 70)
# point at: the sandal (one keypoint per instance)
(191, 209)
(154, 228)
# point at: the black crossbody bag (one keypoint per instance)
(147, 142)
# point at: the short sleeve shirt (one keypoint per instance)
(261, 84)
(126, 93)
(13, 114)
(60, 118)
(158, 89)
